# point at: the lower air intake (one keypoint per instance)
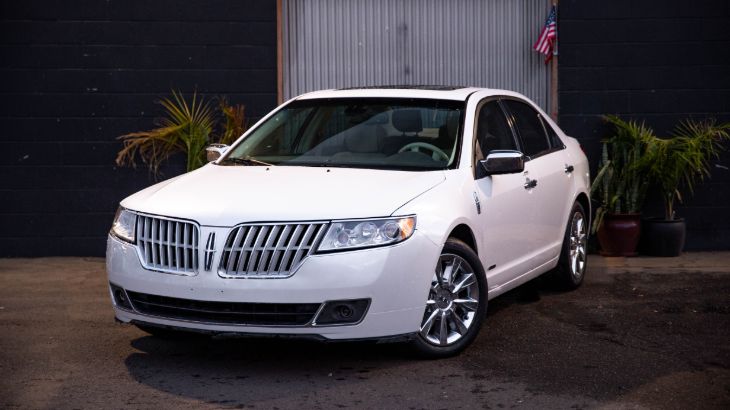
(261, 314)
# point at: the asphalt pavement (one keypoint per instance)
(640, 333)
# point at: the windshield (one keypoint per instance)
(392, 133)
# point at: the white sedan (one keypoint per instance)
(390, 213)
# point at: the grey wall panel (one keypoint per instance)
(346, 43)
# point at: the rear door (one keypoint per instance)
(547, 177)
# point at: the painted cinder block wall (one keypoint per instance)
(74, 76)
(657, 61)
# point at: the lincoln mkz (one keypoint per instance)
(390, 213)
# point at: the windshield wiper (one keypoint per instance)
(246, 161)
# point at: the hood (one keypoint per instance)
(228, 195)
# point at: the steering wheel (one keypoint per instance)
(436, 152)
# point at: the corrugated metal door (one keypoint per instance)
(347, 43)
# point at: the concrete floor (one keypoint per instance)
(640, 333)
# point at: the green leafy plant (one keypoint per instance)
(680, 161)
(621, 184)
(633, 156)
(234, 121)
(185, 127)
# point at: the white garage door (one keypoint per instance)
(347, 43)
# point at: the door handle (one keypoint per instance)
(568, 169)
(530, 183)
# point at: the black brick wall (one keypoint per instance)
(75, 75)
(658, 61)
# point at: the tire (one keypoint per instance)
(452, 319)
(573, 260)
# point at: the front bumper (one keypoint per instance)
(395, 279)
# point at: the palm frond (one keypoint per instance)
(153, 147)
(184, 128)
(684, 159)
(235, 121)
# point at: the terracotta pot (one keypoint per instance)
(661, 237)
(619, 234)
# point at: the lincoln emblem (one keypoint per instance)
(209, 251)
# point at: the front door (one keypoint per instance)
(507, 207)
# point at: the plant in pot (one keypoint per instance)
(186, 127)
(620, 188)
(676, 164)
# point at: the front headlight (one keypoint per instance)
(346, 235)
(124, 223)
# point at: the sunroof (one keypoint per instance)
(408, 87)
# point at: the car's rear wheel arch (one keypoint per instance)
(583, 200)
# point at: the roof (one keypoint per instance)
(397, 91)
(407, 87)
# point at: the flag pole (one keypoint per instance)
(554, 74)
(279, 54)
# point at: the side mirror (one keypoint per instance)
(214, 151)
(503, 162)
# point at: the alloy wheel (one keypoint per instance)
(578, 239)
(452, 301)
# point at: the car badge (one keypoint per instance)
(209, 251)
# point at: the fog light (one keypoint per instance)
(342, 312)
(119, 296)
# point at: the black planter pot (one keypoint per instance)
(660, 237)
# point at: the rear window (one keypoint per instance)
(555, 141)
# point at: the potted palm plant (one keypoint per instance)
(620, 188)
(676, 164)
(187, 128)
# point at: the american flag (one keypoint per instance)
(546, 41)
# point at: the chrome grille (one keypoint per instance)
(167, 245)
(268, 250)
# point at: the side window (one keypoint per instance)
(555, 141)
(493, 131)
(529, 125)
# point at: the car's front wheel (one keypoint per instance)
(457, 302)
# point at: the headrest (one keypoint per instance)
(407, 120)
